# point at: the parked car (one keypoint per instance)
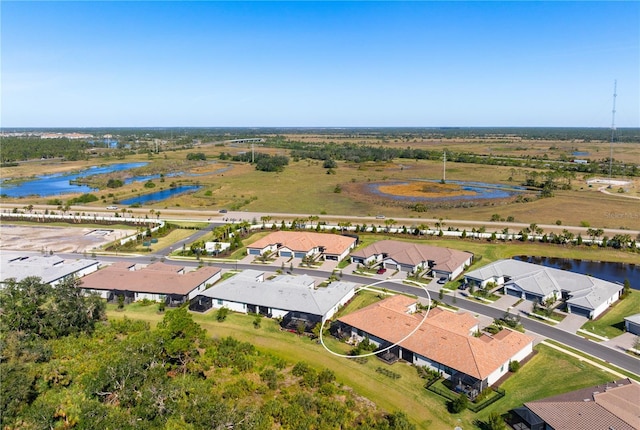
(223, 211)
(112, 208)
(381, 271)
(443, 280)
(379, 216)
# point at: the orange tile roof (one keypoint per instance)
(305, 241)
(157, 278)
(443, 337)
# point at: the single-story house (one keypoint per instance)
(446, 342)
(158, 282)
(584, 295)
(632, 324)
(301, 244)
(51, 269)
(413, 258)
(613, 405)
(285, 296)
(216, 247)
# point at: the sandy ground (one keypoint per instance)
(57, 239)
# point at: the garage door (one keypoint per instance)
(254, 252)
(285, 254)
(579, 311)
(300, 254)
(531, 297)
(514, 293)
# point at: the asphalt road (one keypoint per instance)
(607, 354)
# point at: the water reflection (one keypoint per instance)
(609, 271)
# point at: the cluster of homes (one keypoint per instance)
(450, 343)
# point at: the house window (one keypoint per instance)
(502, 368)
(219, 302)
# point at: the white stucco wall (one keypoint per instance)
(344, 300)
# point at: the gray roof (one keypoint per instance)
(501, 268)
(286, 292)
(635, 319)
(584, 291)
(49, 268)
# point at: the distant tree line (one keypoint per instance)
(356, 153)
(264, 162)
(21, 148)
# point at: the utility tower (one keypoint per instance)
(444, 167)
(613, 127)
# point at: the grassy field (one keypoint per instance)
(561, 372)
(305, 187)
(495, 251)
(611, 324)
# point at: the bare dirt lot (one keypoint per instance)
(57, 239)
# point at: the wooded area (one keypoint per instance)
(63, 366)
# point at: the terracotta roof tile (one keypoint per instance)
(305, 241)
(443, 337)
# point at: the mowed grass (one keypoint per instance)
(611, 324)
(548, 373)
(492, 251)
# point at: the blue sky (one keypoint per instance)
(242, 64)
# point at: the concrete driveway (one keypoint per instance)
(572, 323)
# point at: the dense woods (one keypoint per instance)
(62, 366)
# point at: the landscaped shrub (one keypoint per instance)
(222, 313)
(459, 404)
(514, 366)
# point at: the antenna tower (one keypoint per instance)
(444, 167)
(613, 126)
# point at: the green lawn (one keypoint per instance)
(611, 324)
(548, 373)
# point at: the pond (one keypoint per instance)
(432, 190)
(612, 272)
(60, 183)
(160, 195)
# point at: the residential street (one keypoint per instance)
(605, 351)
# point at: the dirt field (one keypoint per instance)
(56, 239)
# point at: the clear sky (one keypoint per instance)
(245, 64)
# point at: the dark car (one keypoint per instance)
(381, 271)
(443, 280)
(223, 211)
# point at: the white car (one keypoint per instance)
(112, 208)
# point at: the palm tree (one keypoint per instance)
(390, 223)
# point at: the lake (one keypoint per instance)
(612, 272)
(60, 183)
(160, 195)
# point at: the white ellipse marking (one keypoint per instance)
(395, 344)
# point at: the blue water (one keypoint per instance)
(612, 272)
(59, 183)
(482, 191)
(150, 177)
(160, 195)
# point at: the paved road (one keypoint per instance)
(214, 215)
(605, 353)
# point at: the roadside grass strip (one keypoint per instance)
(616, 371)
